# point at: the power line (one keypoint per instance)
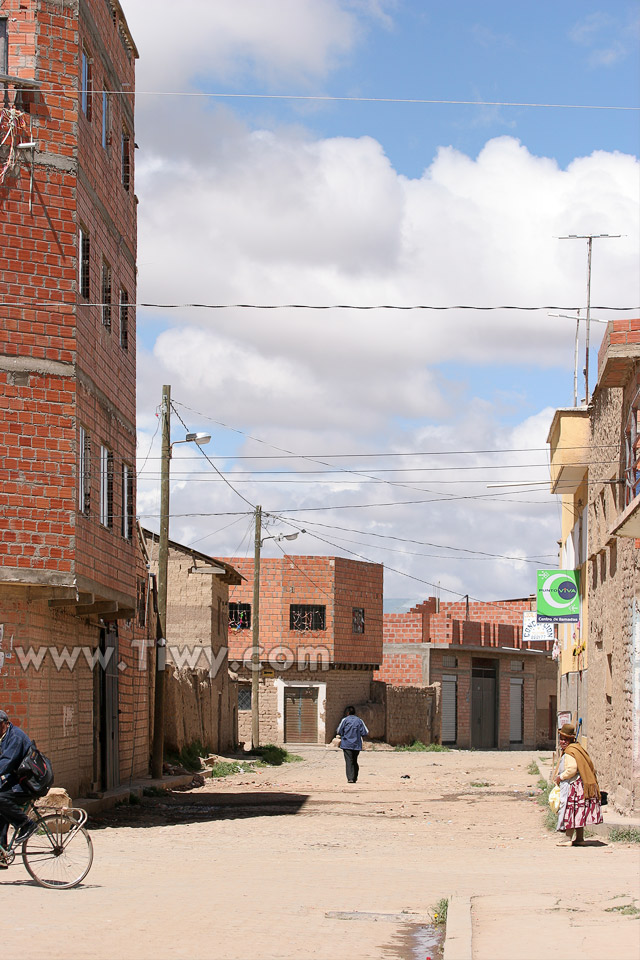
(28, 303)
(200, 94)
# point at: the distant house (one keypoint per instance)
(497, 692)
(200, 699)
(320, 642)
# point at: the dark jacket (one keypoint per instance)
(14, 747)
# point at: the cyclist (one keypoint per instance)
(14, 745)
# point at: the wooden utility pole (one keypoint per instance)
(157, 756)
(255, 624)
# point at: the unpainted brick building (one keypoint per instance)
(320, 642)
(496, 691)
(71, 573)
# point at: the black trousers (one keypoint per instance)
(351, 762)
(10, 812)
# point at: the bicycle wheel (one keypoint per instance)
(60, 853)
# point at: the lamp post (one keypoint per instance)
(157, 754)
(255, 624)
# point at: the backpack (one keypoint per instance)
(35, 773)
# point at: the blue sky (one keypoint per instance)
(561, 53)
(264, 200)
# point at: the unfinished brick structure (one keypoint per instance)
(320, 641)
(496, 691)
(201, 701)
(70, 570)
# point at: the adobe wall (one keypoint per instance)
(614, 592)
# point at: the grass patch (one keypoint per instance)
(189, 757)
(274, 756)
(417, 746)
(627, 910)
(550, 818)
(624, 834)
(227, 767)
(533, 769)
(481, 783)
(440, 911)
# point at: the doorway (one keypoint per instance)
(301, 715)
(106, 743)
(483, 703)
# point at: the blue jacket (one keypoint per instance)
(351, 731)
(14, 747)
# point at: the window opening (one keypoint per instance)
(239, 616)
(357, 620)
(124, 319)
(306, 616)
(125, 155)
(244, 698)
(106, 487)
(106, 118)
(84, 251)
(86, 85)
(142, 601)
(84, 472)
(106, 295)
(127, 501)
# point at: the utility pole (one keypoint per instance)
(255, 635)
(163, 556)
(589, 237)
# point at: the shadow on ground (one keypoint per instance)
(174, 808)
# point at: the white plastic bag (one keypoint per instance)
(554, 798)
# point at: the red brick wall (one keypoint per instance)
(46, 325)
(338, 585)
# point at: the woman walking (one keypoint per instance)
(579, 790)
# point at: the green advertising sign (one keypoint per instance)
(558, 599)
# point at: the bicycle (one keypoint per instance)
(59, 853)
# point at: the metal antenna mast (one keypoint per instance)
(589, 237)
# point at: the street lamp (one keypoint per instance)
(163, 559)
(255, 623)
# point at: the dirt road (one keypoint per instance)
(293, 863)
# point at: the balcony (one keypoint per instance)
(569, 442)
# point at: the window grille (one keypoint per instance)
(517, 666)
(84, 472)
(124, 319)
(244, 698)
(106, 295)
(357, 619)
(86, 85)
(142, 601)
(84, 256)
(449, 661)
(106, 118)
(125, 157)
(106, 487)
(127, 501)
(239, 616)
(306, 616)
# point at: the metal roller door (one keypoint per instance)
(516, 709)
(449, 710)
(301, 714)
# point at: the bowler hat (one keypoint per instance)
(567, 731)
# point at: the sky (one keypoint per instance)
(368, 153)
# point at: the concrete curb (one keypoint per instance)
(457, 944)
(110, 798)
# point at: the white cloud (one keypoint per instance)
(229, 40)
(235, 215)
